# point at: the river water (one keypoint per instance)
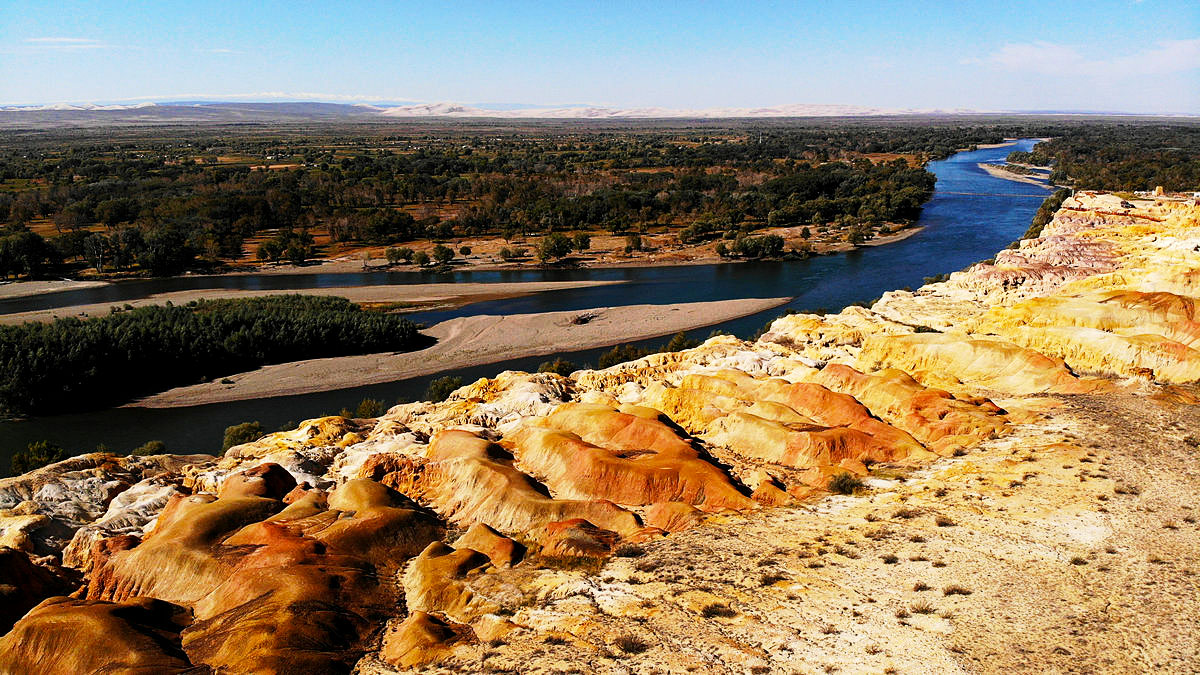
(970, 217)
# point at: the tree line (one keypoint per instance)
(1122, 157)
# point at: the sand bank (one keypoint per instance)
(467, 341)
(998, 171)
(421, 295)
(19, 289)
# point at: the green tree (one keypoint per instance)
(420, 258)
(443, 254)
(35, 456)
(679, 342)
(246, 432)
(553, 246)
(581, 241)
(559, 365)
(441, 388)
(151, 448)
(370, 407)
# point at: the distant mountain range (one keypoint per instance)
(89, 114)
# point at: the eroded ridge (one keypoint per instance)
(988, 432)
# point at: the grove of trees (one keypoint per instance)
(74, 363)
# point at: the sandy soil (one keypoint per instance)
(18, 289)
(467, 341)
(422, 295)
(998, 172)
(990, 146)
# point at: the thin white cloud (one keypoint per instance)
(65, 43)
(217, 50)
(1048, 58)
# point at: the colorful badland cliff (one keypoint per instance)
(1022, 437)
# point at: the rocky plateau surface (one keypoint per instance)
(994, 473)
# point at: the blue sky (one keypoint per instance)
(1123, 55)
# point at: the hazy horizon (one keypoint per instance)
(1125, 56)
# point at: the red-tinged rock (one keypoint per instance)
(500, 550)
(265, 480)
(422, 639)
(64, 636)
(579, 539)
(590, 451)
(673, 516)
(24, 583)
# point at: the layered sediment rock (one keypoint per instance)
(441, 530)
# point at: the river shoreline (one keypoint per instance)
(426, 293)
(464, 342)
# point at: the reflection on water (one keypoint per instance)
(959, 229)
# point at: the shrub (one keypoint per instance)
(771, 578)
(369, 407)
(922, 608)
(717, 609)
(629, 551)
(151, 448)
(679, 342)
(35, 456)
(631, 645)
(560, 366)
(955, 589)
(246, 432)
(845, 484)
(464, 250)
(943, 521)
(440, 389)
(398, 255)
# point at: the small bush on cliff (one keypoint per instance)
(559, 366)
(844, 484)
(246, 432)
(440, 389)
(150, 448)
(367, 408)
(35, 456)
(1045, 213)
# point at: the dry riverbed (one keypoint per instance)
(467, 341)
